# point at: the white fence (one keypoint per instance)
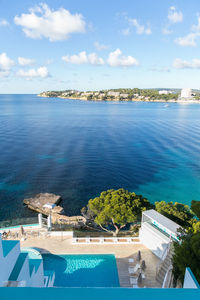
(105, 240)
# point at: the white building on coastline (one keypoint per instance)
(164, 92)
(186, 93)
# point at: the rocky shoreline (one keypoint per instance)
(116, 100)
(47, 204)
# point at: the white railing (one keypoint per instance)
(163, 257)
(167, 280)
(105, 240)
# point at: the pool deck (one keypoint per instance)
(63, 245)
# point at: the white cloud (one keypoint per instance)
(99, 46)
(175, 16)
(140, 29)
(55, 25)
(166, 30)
(117, 59)
(156, 68)
(184, 64)
(84, 58)
(126, 31)
(6, 63)
(41, 72)
(4, 22)
(191, 38)
(188, 40)
(25, 61)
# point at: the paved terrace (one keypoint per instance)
(63, 245)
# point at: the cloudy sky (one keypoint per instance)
(88, 45)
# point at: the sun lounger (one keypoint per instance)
(135, 286)
(131, 270)
(133, 280)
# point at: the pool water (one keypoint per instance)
(82, 270)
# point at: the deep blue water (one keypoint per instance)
(78, 149)
(82, 270)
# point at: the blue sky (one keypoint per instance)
(89, 45)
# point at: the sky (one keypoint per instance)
(101, 44)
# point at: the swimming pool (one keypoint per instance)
(82, 270)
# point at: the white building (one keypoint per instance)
(157, 232)
(163, 92)
(124, 95)
(114, 94)
(186, 93)
(22, 267)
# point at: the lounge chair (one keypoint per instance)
(135, 286)
(131, 270)
(133, 280)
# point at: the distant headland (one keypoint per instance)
(123, 94)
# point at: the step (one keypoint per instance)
(18, 266)
(8, 246)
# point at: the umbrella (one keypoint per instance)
(143, 265)
(139, 280)
(22, 230)
(138, 256)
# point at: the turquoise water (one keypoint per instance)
(98, 294)
(77, 149)
(82, 270)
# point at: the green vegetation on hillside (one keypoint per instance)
(177, 212)
(187, 254)
(121, 94)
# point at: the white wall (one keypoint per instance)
(152, 240)
(7, 263)
(190, 281)
(37, 279)
(61, 233)
(25, 273)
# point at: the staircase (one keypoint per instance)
(164, 266)
(22, 267)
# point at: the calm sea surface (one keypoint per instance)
(78, 149)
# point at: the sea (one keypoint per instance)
(77, 149)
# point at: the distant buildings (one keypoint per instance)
(114, 94)
(124, 95)
(186, 93)
(164, 92)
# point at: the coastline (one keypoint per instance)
(133, 100)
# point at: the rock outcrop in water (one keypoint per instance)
(47, 203)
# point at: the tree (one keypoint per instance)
(195, 226)
(177, 212)
(187, 254)
(114, 209)
(195, 206)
